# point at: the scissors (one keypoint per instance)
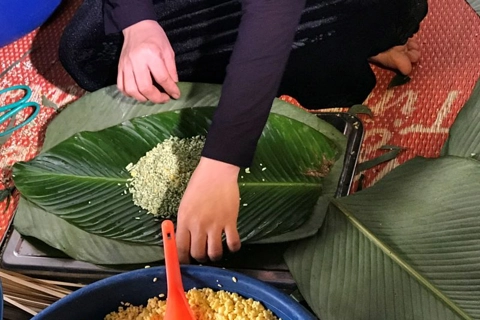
(10, 111)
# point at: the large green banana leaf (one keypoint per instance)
(78, 181)
(464, 135)
(406, 248)
(82, 245)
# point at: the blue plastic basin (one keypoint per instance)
(19, 17)
(102, 297)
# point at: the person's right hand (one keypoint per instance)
(147, 54)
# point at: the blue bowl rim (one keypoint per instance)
(272, 293)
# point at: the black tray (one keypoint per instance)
(265, 262)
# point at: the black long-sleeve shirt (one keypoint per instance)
(254, 73)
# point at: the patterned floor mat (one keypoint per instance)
(415, 116)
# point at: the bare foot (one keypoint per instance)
(399, 58)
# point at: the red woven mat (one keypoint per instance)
(415, 116)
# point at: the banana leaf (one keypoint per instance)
(406, 248)
(82, 245)
(77, 183)
(464, 135)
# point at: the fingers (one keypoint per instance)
(201, 245)
(145, 85)
(198, 246)
(171, 66)
(130, 85)
(206, 244)
(233, 238)
(134, 77)
(183, 244)
(161, 75)
(214, 243)
(120, 79)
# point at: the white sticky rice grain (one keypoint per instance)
(160, 178)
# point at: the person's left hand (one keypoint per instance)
(209, 208)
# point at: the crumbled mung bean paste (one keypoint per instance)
(159, 179)
(206, 304)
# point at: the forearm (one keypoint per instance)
(120, 14)
(254, 73)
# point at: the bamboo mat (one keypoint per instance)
(415, 116)
(25, 296)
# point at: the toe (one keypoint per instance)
(402, 63)
(413, 55)
(413, 45)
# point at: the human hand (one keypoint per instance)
(147, 53)
(208, 208)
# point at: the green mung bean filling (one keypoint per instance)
(160, 178)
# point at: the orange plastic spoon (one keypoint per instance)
(177, 304)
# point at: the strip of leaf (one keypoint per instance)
(6, 194)
(360, 109)
(10, 125)
(388, 156)
(49, 103)
(361, 181)
(398, 80)
(10, 67)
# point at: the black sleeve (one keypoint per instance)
(254, 73)
(120, 14)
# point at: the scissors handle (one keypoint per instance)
(11, 110)
(28, 94)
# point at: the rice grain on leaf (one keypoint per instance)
(160, 178)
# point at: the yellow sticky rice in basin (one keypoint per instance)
(206, 304)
